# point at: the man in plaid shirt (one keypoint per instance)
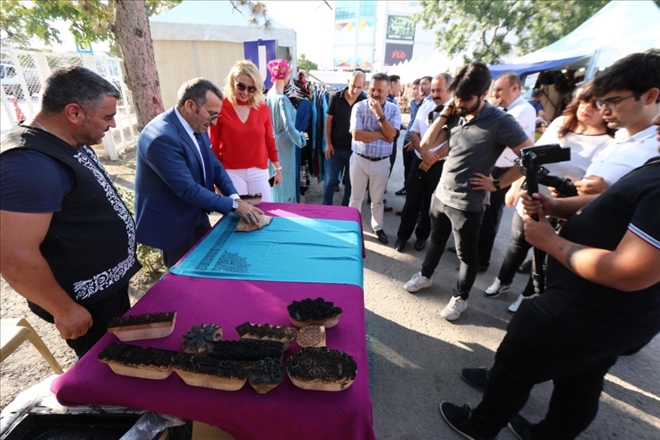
(374, 123)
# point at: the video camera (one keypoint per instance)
(532, 159)
(530, 162)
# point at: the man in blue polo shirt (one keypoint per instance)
(374, 123)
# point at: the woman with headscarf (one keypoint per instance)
(243, 137)
(287, 137)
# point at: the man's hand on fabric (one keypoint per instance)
(250, 213)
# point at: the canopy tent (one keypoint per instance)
(618, 29)
(204, 38)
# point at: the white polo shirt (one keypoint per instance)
(523, 112)
(421, 122)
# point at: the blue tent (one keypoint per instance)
(529, 68)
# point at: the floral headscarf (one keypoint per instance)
(279, 69)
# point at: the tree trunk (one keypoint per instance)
(131, 26)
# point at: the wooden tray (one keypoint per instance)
(142, 372)
(144, 331)
(213, 382)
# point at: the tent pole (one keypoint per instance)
(591, 69)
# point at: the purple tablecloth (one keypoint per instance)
(287, 412)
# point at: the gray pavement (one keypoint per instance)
(415, 356)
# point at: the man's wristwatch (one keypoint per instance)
(381, 118)
(496, 184)
(234, 205)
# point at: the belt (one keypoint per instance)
(372, 159)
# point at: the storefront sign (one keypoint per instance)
(395, 53)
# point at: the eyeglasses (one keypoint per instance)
(212, 116)
(242, 87)
(610, 103)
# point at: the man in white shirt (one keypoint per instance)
(506, 95)
(420, 183)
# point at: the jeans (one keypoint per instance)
(537, 348)
(420, 186)
(339, 161)
(251, 181)
(465, 227)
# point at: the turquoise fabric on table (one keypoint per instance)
(281, 251)
(287, 139)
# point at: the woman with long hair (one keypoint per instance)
(242, 139)
(580, 128)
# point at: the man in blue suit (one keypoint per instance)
(177, 174)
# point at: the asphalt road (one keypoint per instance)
(415, 356)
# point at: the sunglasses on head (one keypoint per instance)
(242, 87)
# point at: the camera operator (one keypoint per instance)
(582, 129)
(603, 296)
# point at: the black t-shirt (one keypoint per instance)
(602, 313)
(340, 110)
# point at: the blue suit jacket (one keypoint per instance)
(170, 192)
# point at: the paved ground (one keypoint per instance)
(415, 356)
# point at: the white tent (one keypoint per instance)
(618, 29)
(205, 38)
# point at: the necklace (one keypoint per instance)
(40, 126)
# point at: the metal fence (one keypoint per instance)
(22, 74)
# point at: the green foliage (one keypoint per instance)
(152, 263)
(90, 20)
(477, 29)
(305, 64)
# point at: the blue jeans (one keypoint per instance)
(338, 162)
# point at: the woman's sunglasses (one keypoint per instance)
(242, 87)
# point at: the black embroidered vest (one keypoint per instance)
(90, 244)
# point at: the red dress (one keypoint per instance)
(241, 145)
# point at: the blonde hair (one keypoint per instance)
(244, 67)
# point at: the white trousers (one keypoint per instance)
(251, 181)
(376, 174)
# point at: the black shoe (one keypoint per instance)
(337, 188)
(526, 267)
(400, 244)
(384, 200)
(459, 418)
(451, 249)
(398, 213)
(388, 209)
(476, 377)
(482, 268)
(521, 427)
(420, 244)
(382, 237)
(401, 192)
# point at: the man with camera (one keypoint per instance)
(603, 278)
(478, 133)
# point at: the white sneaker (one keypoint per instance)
(513, 308)
(417, 282)
(453, 310)
(495, 289)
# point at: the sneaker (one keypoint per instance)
(497, 288)
(459, 418)
(453, 310)
(520, 427)
(513, 308)
(401, 192)
(476, 377)
(417, 282)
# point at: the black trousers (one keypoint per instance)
(407, 162)
(491, 221)
(102, 313)
(170, 257)
(538, 348)
(420, 186)
(393, 155)
(446, 220)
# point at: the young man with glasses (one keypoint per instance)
(603, 295)
(177, 173)
(338, 137)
